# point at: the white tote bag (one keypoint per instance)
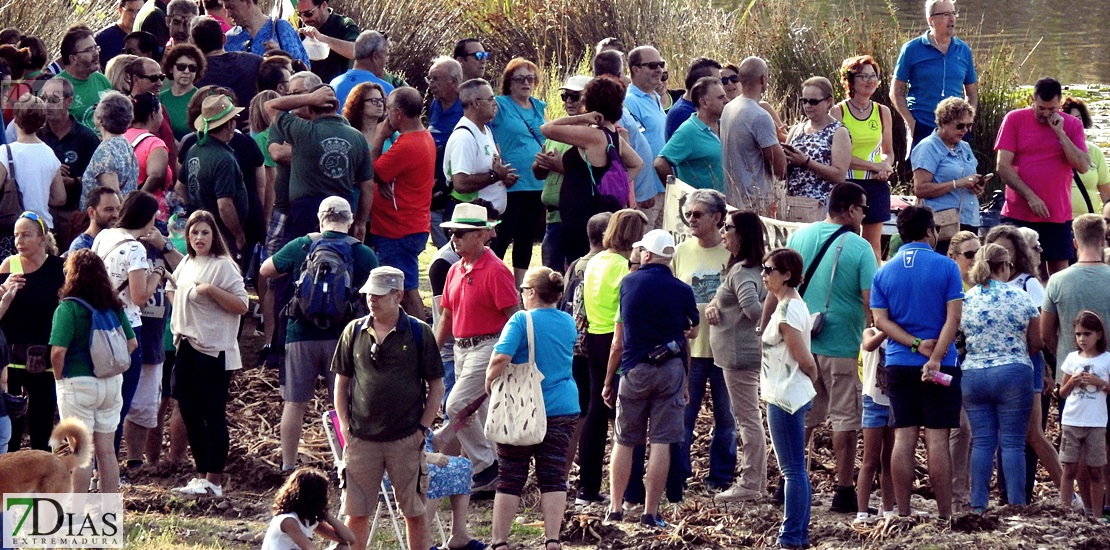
(516, 412)
(781, 380)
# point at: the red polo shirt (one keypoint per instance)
(410, 165)
(477, 296)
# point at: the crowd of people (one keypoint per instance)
(292, 162)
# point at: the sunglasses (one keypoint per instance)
(767, 269)
(969, 254)
(307, 13)
(653, 65)
(811, 102)
(728, 227)
(733, 79)
(480, 56)
(185, 67)
(53, 99)
(961, 126)
(694, 215)
(528, 79)
(460, 233)
(571, 96)
(152, 77)
(523, 288)
(863, 207)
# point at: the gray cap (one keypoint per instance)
(384, 280)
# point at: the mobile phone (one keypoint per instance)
(986, 178)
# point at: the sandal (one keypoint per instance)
(549, 542)
(499, 545)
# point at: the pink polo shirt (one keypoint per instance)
(1040, 162)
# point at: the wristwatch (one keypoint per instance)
(168, 247)
(492, 176)
(423, 429)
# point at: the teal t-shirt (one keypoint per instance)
(846, 319)
(695, 152)
(289, 260)
(71, 329)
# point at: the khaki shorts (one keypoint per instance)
(1076, 439)
(367, 461)
(839, 394)
(96, 402)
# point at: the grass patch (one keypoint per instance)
(167, 532)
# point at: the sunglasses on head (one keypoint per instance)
(185, 67)
(733, 79)
(480, 56)
(811, 102)
(571, 96)
(34, 217)
(653, 65)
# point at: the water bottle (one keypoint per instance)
(938, 377)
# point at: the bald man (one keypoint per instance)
(753, 156)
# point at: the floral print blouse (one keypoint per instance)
(994, 322)
(803, 182)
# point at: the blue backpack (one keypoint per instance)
(324, 293)
(107, 342)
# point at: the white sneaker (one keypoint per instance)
(199, 486)
(736, 493)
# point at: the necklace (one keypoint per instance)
(866, 109)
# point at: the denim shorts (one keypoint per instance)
(402, 253)
(876, 415)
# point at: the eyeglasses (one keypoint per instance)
(969, 254)
(653, 65)
(811, 102)
(152, 77)
(90, 49)
(727, 227)
(694, 214)
(863, 207)
(867, 77)
(733, 79)
(948, 14)
(307, 13)
(490, 99)
(185, 67)
(527, 79)
(961, 126)
(53, 99)
(34, 217)
(767, 269)
(523, 288)
(480, 56)
(571, 96)
(379, 101)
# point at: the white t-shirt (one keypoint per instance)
(35, 167)
(121, 260)
(871, 361)
(276, 539)
(1086, 405)
(1031, 286)
(779, 376)
(473, 154)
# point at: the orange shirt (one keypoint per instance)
(410, 166)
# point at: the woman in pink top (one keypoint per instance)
(155, 172)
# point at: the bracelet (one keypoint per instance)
(916, 342)
(953, 185)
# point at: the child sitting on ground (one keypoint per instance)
(301, 509)
(1083, 432)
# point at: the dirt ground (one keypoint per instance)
(698, 522)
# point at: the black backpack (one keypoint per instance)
(324, 292)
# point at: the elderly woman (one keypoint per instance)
(516, 127)
(36, 171)
(548, 167)
(365, 108)
(733, 316)
(584, 165)
(1090, 191)
(87, 280)
(1002, 328)
(113, 164)
(185, 66)
(600, 294)
(553, 333)
(788, 365)
(818, 150)
(1026, 259)
(869, 125)
(208, 299)
(944, 168)
(29, 283)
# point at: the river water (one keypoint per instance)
(1074, 46)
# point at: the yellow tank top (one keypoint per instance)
(867, 136)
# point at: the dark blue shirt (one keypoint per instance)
(655, 308)
(680, 112)
(441, 122)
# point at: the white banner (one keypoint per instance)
(776, 231)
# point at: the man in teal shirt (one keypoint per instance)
(693, 154)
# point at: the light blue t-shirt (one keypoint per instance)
(695, 152)
(934, 156)
(554, 334)
(646, 184)
(915, 287)
(646, 109)
(344, 83)
(933, 76)
(517, 133)
(279, 31)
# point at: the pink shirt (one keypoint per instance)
(1040, 162)
(142, 152)
(477, 297)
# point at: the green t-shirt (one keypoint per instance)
(178, 108)
(329, 156)
(86, 94)
(601, 290)
(290, 259)
(553, 185)
(212, 173)
(71, 329)
(263, 140)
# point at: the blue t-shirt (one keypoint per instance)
(945, 165)
(647, 111)
(517, 133)
(554, 333)
(695, 152)
(279, 31)
(646, 184)
(347, 81)
(442, 122)
(933, 76)
(915, 287)
(680, 112)
(655, 308)
(80, 242)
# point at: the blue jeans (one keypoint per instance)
(439, 237)
(998, 401)
(722, 450)
(788, 436)
(551, 251)
(448, 383)
(5, 432)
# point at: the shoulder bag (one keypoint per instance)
(817, 259)
(1083, 191)
(11, 197)
(517, 415)
(818, 318)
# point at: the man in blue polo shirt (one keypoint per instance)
(917, 300)
(643, 103)
(371, 54)
(930, 68)
(693, 154)
(657, 314)
(444, 113)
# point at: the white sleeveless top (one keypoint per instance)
(276, 539)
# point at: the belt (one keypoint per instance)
(472, 341)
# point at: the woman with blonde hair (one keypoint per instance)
(818, 150)
(962, 249)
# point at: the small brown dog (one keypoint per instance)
(30, 471)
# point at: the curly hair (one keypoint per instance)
(513, 66)
(1023, 262)
(185, 50)
(87, 278)
(355, 106)
(605, 94)
(952, 108)
(853, 66)
(305, 494)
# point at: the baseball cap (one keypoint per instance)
(576, 83)
(334, 205)
(658, 242)
(383, 280)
